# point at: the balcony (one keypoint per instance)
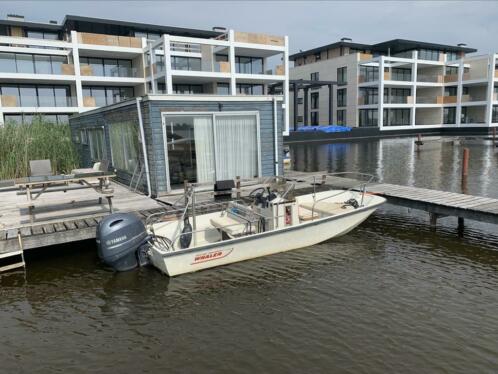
(446, 99)
(450, 78)
(365, 56)
(472, 98)
(115, 72)
(11, 101)
(398, 100)
(254, 38)
(427, 100)
(109, 40)
(429, 78)
(279, 70)
(496, 73)
(368, 78)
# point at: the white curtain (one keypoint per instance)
(204, 149)
(236, 145)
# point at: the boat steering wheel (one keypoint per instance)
(257, 191)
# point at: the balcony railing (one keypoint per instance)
(496, 73)
(427, 100)
(248, 37)
(428, 78)
(368, 78)
(119, 71)
(472, 98)
(398, 100)
(449, 78)
(446, 99)
(185, 47)
(11, 101)
(109, 40)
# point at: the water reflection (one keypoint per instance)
(437, 165)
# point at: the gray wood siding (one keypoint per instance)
(151, 116)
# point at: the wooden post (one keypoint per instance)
(465, 169)
(419, 142)
(433, 220)
(461, 226)
(237, 186)
(185, 190)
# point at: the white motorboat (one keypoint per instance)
(275, 221)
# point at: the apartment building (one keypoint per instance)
(423, 85)
(60, 69)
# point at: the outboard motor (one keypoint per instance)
(122, 241)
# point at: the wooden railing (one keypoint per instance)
(450, 78)
(89, 101)
(8, 101)
(446, 100)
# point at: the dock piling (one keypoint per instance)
(465, 169)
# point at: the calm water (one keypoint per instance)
(390, 297)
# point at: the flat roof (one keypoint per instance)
(74, 22)
(394, 46)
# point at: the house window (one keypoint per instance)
(495, 114)
(397, 96)
(450, 91)
(342, 97)
(83, 137)
(101, 96)
(342, 75)
(299, 100)
(369, 73)
(124, 145)
(300, 119)
(314, 118)
(318, 56)
(185, 63)
(368, 117)
(401, 74)
(314, 76)
(451, 70)
(314, 100)
(341, 117)
(37, 96)
(108, 67)
(96, 143)
(451, 56)
(449, 116)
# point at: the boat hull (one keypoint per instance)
(258, 245)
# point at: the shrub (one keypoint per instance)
(20, 143)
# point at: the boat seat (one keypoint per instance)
(307, 215)
(326, 208)
(231, 226)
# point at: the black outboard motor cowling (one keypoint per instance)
(122, 241)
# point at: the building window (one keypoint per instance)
(314, 100)
(318, 56)
(248, 65)
(451, 70)
(368, 117)
(300, 119)
(451, 56)
(450, 91)
(449, 116)
(42, 35)
(369, 96)
(107, 67)
(495, 114)
(342, 97)
(249, 89)
(428, 54)
(369, 73)
(187, 89)
(299, 100)
(341, 117)
(314, 118)
(101, 96)
(314, 76)
(36, 96)
(28, 118)
(342, 75)
(222, 88)
(396, 117)
(396, 95)
(401, 74)
(186, 63)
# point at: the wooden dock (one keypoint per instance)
(63, 223)
(438, 204)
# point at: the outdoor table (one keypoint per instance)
(35, 186)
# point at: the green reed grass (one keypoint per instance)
(20, 143)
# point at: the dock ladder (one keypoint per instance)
(19, 252)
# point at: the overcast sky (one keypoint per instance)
(307, 23)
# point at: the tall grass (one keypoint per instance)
(20, 143)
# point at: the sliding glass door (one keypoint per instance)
(203, 148)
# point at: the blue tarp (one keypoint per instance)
(330, 128)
